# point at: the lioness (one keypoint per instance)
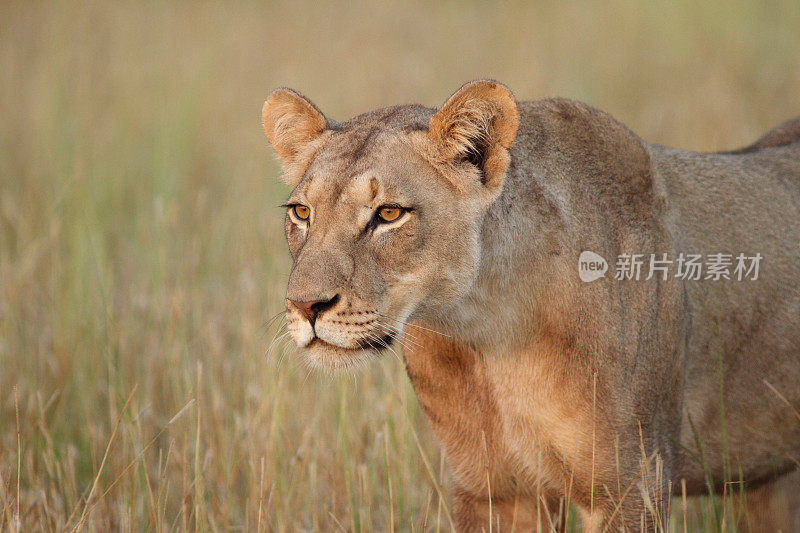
(457, 232)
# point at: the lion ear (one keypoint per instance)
(477, 125)
(291, 122)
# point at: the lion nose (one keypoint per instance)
(312, 309)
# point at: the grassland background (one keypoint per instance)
(142, 254)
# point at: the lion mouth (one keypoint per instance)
(323, 354)
(374, 342)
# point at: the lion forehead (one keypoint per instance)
(362, 169)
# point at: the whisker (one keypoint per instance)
(385, 329)
(308, 374)
(394, 352)
(276, 338)
(265, 329)
(397, 329)
(398, 335)
(269, 321)
(419, 327)
(392, 334)
(371, 337)
(375, 338)
(282, 347)
(276, 341)
(282, 357)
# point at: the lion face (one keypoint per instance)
(384, 219)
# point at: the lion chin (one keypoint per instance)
(325, 356)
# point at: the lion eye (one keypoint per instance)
(389, 214)
(301, 211)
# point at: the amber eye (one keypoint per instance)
(301, 211)
(389, 214)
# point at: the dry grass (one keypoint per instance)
(142, 255)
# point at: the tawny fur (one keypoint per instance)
(544, 390)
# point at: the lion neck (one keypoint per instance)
(522, 287)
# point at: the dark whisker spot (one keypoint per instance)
(376, 343)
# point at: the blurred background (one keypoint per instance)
(143, 381)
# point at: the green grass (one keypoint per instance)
(142, 253)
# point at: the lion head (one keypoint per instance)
(384, 218)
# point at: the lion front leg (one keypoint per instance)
(474, 513)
